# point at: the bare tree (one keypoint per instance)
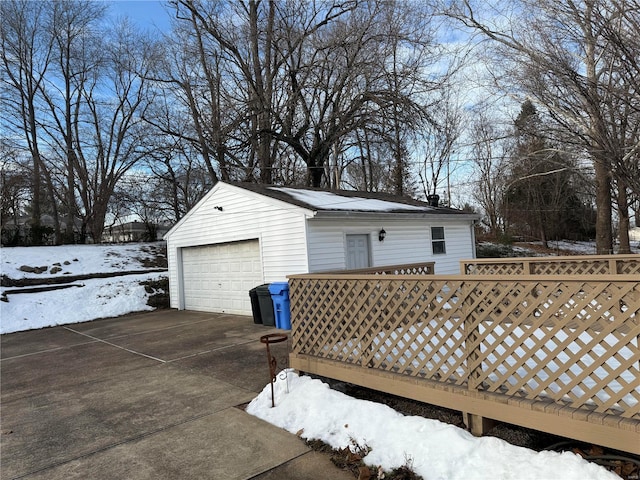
(198, 84)
(139, 195)
(73, 27)
(559, 54)
(180, 178)
(618, 22)
(303, 77)
(349, 83)
(76, 91)
(243, 34)
(110, 133)
(412, 53)
(490, 156)
(373, 169)
(26, 56)
(15, 182)
(438, 140)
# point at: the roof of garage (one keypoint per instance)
(346, 201)
(334, 204)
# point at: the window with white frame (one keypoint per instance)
(437, 241)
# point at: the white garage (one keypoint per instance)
(218, 277)
(240, 236)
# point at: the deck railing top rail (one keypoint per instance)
(424, 268)
(348, 275)
(566, 265)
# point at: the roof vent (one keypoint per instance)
(433, 200)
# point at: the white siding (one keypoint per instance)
(280, 229)
(327, 245)
(407, 241)
(459, 244)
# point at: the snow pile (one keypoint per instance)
(432, 449)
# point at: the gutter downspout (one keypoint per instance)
(306, 236)
(472, 225)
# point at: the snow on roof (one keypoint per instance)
(345, 201)
(334, 201)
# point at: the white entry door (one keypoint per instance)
(357, 251)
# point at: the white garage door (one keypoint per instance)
(217, 278)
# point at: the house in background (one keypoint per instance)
(17, 231)
(243, 235)
(134, 231)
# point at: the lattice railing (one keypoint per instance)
(567, 342)
(571, 265)
(425, 268)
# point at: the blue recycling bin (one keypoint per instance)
(281, 304)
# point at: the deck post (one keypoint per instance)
(477, 424)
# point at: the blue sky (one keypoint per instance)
(148, 14)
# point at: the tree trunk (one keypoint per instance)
(315, 173)
(604, 237)
(399, 166)
(36, 213)
(263, 88)
(623, 215)
(68, 134)
(36, 201)
(96, 222)
(602, 164)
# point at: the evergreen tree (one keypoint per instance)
(541, 195)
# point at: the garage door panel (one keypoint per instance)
(217, 278)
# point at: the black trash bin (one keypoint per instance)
(255, 305)
(266, 305)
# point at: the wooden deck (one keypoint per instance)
(555, 353)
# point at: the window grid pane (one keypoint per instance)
(438, 245)
(437, 233)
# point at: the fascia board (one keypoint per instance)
(463, 217)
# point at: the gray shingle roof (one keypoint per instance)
(346, 200)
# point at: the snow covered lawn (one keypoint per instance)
(84, 300)
(76, 259)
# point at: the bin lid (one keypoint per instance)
(262, 289)
(276, 288)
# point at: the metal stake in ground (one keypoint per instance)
(273, 364)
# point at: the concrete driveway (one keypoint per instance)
(145, 396)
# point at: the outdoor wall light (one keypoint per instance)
(382, 235)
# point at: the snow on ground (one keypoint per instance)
(74, 259)
(432, 449)
(581, 248)
(578, 248)
(85, 300)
